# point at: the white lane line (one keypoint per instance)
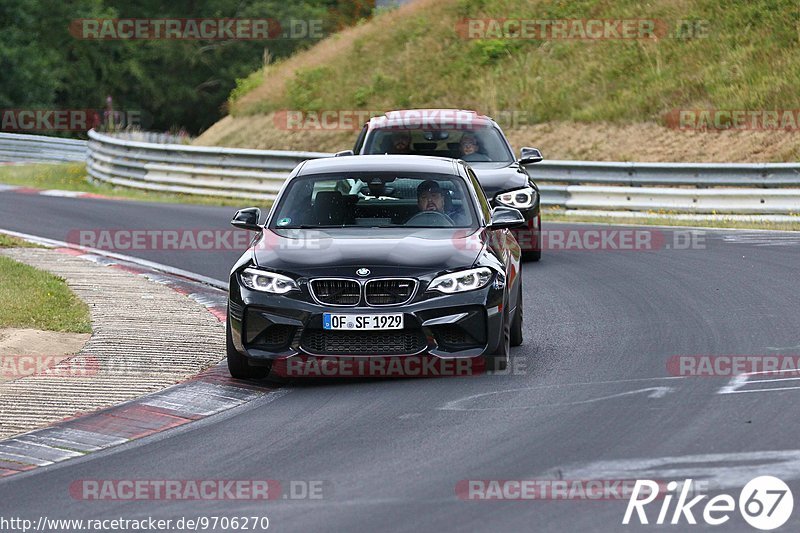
(451, 406)
(742, 380)
(777, 348)
(457, 405)
(775, 380)
(736, 382)
(62, 194)
(771, 389)
(220, 284)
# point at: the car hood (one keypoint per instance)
(395, 251)
(496, 177)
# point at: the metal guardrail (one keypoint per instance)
(205, 170)
(653, 199)
(759, 188)
(645, 174)
(259, 174)
(15, 148)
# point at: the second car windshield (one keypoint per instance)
(375, 200)
(475, 146)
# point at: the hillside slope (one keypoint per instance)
(584, 99)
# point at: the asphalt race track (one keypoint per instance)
(590, 397)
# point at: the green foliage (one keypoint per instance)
(304, 89)
(747, 56)
(489, 51)
(246, 84)
(6, 241)
(173, 83)
(48, 303)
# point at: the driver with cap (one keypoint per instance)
(431, 197)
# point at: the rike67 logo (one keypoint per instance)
(765, 503)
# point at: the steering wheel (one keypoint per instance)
(430, 218)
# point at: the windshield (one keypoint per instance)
(485, 144)
(375, 200)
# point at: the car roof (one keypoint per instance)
(380, 163)
(431, 119)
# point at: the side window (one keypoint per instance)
(482, 201)
(360, 140)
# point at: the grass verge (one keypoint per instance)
(707, 54)
(72, 177)
(32, 298)
(6, 241)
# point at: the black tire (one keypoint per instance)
(516, 324)
(534, 255)
(238, 366)
(498, 361)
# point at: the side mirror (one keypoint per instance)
(506, 217)
(529, 155)
(343, 152)
(247, 219)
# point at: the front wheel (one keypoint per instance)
(498, 361)
(516, 324)
(238, 365)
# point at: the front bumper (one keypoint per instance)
(267, 327)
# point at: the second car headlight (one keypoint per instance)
(263, 281)
(520, 198)
(462, 281)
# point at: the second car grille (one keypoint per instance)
(336, 291)
(324, 342)
(389, 291)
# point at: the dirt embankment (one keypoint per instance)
(21, 349)
(559, 140)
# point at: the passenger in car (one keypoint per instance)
(401, 143)
(470, 148)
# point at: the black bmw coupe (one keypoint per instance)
(474, 138)
(376, 256)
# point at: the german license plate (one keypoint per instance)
(362, 322)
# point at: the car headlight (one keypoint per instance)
(464, 280)
(520, 198)
(263, 281)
